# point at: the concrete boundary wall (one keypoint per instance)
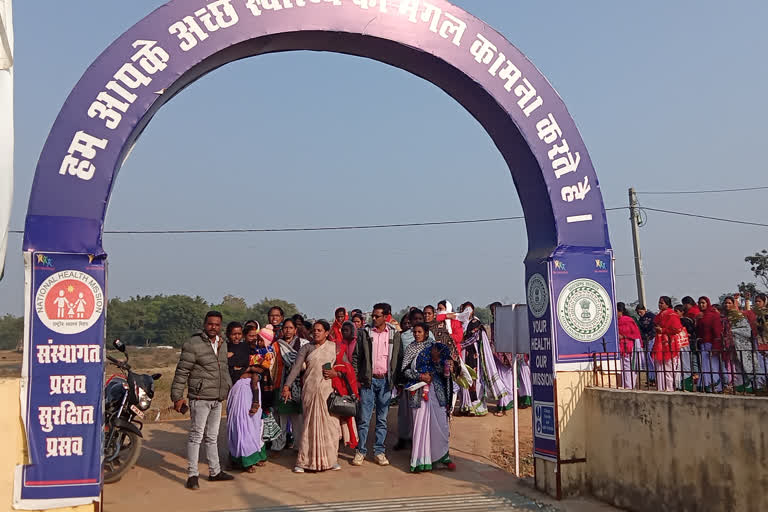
(650, 451)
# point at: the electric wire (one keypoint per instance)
(641, 208)
(319, 228)
(713, 191)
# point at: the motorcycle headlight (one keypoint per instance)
(144, 400)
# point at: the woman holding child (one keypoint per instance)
(427, 368)
(244, 405)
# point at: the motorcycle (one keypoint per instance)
(126, 397)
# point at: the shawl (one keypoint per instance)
(441, 335)
(628, 333)
(734, 315)
(423, 363)
(472, 333)
(286, 361)
(264, 357)
(335, 334)
(347, 345)
(761, 326)
(448, 309)
(287, 354)
(412, 350)
(667, 343)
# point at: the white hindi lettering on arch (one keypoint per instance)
(549, 132)
(578, 191)
(485, 52)
(365, 4)
(110, 109)
(257, 7)
(220, 14)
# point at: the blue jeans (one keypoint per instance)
(377, 395)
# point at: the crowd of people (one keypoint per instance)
(314, 386)
(696, 345)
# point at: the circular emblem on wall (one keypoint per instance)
(584, 309)
(69, 302)
(538, 295)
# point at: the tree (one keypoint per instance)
(233, 309)
(259, 310)
(758, 264)
(11, 331)
(748, 289)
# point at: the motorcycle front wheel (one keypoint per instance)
(130, 448)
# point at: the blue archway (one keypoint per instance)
(569, 263)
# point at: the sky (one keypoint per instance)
(668, 96)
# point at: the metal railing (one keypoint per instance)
(709, 371)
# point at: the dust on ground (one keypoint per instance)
(503, 444)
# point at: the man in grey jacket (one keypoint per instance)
(203, 370)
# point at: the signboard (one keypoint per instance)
(62, 381)
(582, 287)
(510, 329)
(542, 362)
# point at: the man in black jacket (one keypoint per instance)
(204, 371)
(377, 362)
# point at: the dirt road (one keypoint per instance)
(158, 480)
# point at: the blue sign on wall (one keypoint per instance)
(582, 286)
(64, 378)
(542, 361)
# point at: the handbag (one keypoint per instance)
(342, 406)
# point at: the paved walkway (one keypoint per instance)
(158, 481)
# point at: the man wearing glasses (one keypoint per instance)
(377, 358)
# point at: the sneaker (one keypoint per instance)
(358, 460)
(221, 477)
(336, 467)
(192, 483)
(381, 459)
(297, 469)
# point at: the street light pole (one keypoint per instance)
(634, 216)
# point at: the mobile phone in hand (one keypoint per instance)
(327, 366)
(184, 409)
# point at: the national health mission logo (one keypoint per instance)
(538, 295)
(584, 310)
(69, 302)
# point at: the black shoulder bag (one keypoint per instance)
(343, 406)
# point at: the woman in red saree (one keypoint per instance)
(340, 316)
(344, 374)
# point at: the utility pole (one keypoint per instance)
(634, 218)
